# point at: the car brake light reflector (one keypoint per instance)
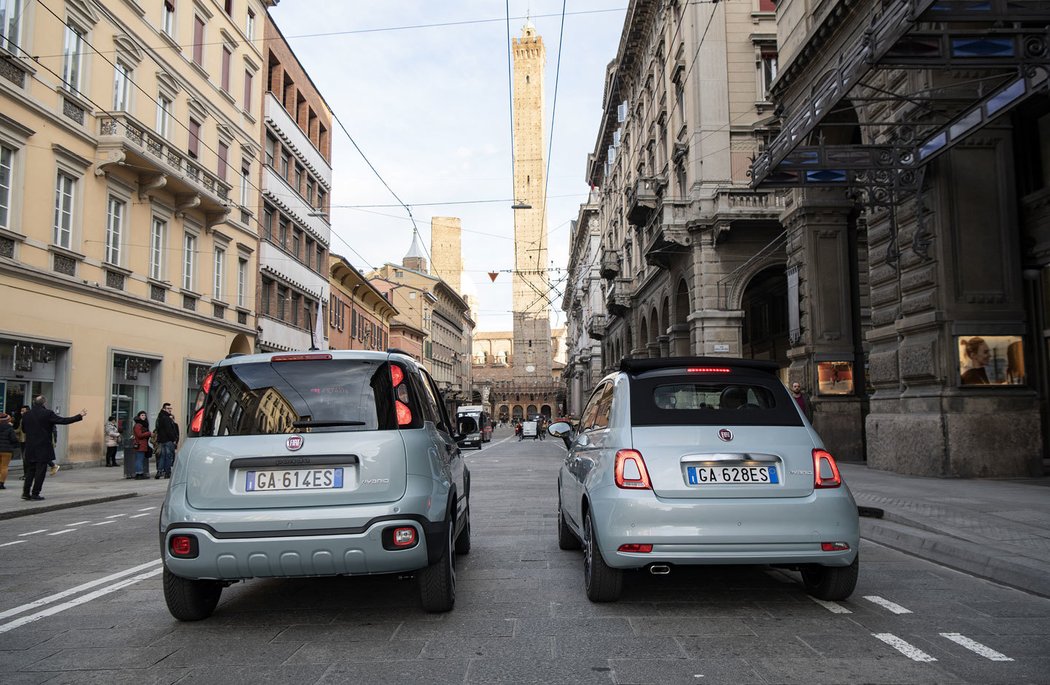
(404, 414)
(181, 546)
(825, 470)
(396, 375)
(636, 547)
(631, 473)
(198, 419)
(206, 385)
(404, 537)
(834, 546)
(300, 357)
(708, 369)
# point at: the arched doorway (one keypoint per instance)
(764, 333)
(517, 413)
(240, 345)
(531, 411)
(546, 410)
(504, 412)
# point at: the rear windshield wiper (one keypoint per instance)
(325, 424)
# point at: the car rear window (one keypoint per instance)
(685, 400)
(311, 396)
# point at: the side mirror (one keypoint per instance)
(563, 430)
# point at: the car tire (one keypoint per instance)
(437, 582)
(831, 583)
(567, 539)
(602, 582)
(463, 539)
(190, 600)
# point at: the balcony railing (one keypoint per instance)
(161, 163)
(596, 326)
(610, 264)
(618, 299)
(642, 200)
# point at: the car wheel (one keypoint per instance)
(566, 538)
(602, 582)
(831, 582)
(463, 539)
(437, 582)
(190, 600)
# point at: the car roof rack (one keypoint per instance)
(397, 350)
(637, 366)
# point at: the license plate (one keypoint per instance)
(732, 475)
(294, 479)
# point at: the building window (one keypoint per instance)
(242, 281)
(769, 70)
(226, 57)
(282, 232)
(282, 301)
(220, 273)
(320, 259)
(271, 150)
(198, 41)
(295, 309)
(7, 158)
(310, 189)
(121, 86)
(246, 175)
(167, 18)
(296, 239)
(189, 261)
(767, 5)
(267, 222)
(163, 115)
(298, 179)
(223, 152)
(114, 229)
(228, 6)
(194, 149)
(286, 161)
(248, 81)
(249, 26)
(10, 15)
(308, 254)
(157, 240)
(71, 59)
(267, 296)
(321, 195)
(65, 189)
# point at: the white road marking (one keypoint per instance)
(16, 542)
(102, 523)
(833, 607)
(78, 523)
(63, 531)
(74, 590)
(976, 647)
(908, 650)
(136, 516)
(148, 509)
(32, 532)
(116, 516)
(83, 599)
(887, 604)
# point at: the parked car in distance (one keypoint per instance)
(529, 429)
(315, 464)
(695, 460)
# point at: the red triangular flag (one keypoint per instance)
(492, 275)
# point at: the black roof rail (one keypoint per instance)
(636, 366)
(231, 355)
(397, 350)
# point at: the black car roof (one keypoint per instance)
(639, 366)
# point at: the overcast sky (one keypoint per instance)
(429, 106)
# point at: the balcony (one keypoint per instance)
(665, 245)
(642, 200)
(609, 265)
(596, 326)
(618, 299)
(124, 141)
(739, 204)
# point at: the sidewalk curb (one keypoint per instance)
(64, 505)
(957, 554)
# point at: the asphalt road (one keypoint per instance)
(81, 602)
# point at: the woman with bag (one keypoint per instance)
(142, 436)
(112, 440)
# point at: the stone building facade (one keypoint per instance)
(584, 309)
(912, 157)
(129, 168)
(496, 386)
(296, 186)
(446, 248)
(359, 315)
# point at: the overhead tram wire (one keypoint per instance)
(154, 101)
(550, 139)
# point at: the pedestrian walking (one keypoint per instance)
(167, 441)
(801, 400)
(21, 434)
(8, 445)
(38, 424)
(142, 436)
(111, 435)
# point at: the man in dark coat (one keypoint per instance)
(38, 424)
(167, 441)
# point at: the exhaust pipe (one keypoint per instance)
(659, 569)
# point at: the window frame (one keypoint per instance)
(72, 64)
(158, 237)
(218, 273)
(199, 29)
(112, 248)
(6, 194)
(122, 79)
(10, 30)
(167, 17)
(227, 61)
(242, 280)
(69, 212)
(164, 107)
(189, 260)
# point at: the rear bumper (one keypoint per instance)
(725, 531)
(224, 556)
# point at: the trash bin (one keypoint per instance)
(129, 462)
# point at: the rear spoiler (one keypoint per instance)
(639, 366)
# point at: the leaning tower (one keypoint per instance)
(531, 287)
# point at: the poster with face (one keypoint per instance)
(991, 360)
(835, 378)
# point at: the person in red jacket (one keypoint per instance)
(142, 436)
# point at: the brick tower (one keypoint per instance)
(531, 289)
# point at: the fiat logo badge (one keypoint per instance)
(725, 435)
(294, 443)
